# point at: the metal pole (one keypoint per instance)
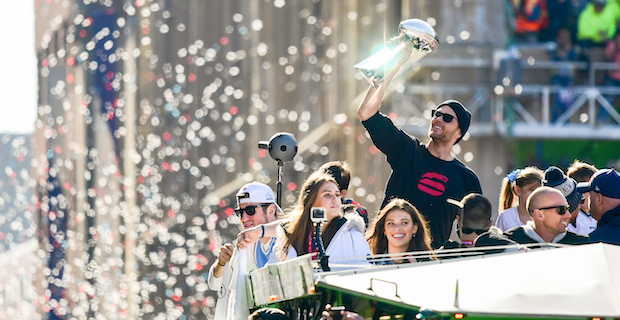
(279, 184)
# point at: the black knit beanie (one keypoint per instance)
(463, 116)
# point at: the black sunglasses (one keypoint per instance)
(250, 210)
(466, 230)
(447, 118)
(562, 210)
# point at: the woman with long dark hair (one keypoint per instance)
(342, 237)
(397, 229)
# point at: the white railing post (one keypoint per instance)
(499, 112)
(545, 104)
(592, 108)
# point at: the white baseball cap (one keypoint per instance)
(256, 192)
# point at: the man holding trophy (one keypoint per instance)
(426, 174)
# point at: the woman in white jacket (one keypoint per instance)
(342, 236)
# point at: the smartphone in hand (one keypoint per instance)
(334, 312)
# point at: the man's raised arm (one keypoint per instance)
(372, 100)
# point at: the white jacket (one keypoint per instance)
(584, 224)
(232, 302)
(348, 242)
(233, 281)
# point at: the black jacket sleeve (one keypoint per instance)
(392, 141)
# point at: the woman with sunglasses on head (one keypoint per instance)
(397, 229)
(342, 236)
(516, 188)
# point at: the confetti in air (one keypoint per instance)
(149, 116)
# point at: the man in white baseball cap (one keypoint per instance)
(256, 205)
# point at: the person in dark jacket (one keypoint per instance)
(494, 237)
(550, 217)
(604, 189)
(476, 225)
(476, 221)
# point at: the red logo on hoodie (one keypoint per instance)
(433, 183)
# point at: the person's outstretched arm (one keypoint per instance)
(372, 100)
(247, 237)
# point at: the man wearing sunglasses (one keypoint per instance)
(550, 214)
(425, 174)
(256, 205)
(604, 189)
(476, 221)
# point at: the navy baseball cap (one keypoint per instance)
(605, 182)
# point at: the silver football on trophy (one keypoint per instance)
(415, 33)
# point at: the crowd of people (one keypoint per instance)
(428, 190)
(583, 31)
(590, 23)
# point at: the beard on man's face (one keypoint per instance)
(441, 137)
